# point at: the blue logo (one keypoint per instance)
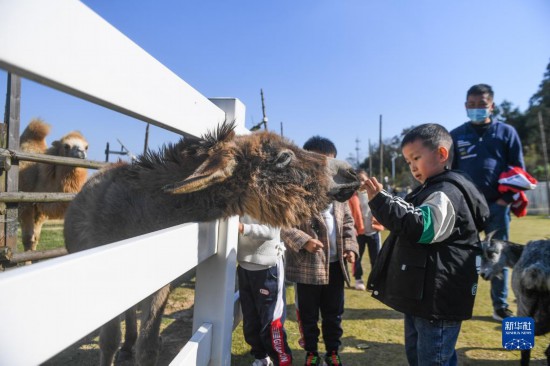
(518, 333)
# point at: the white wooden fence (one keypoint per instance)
(538, 199)
(48, 306)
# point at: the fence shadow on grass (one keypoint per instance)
(176, 335)
(84, 352)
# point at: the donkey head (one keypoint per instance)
(498, 254)
(263, 175)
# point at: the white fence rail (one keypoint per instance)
(81, 54)
(538, 199)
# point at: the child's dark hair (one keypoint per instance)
(320, 145)
(480, 89)
(432, 136)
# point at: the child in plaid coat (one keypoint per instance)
(316, 257)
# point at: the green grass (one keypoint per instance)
(367, 322)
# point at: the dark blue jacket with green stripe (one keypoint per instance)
(428, 265)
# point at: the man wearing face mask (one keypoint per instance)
(484, 148)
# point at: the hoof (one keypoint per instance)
(123, 356)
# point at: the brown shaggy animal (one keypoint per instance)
(220, 175)
(38, 177)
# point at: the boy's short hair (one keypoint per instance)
(432, 136)
(480, 89)
(320, 145)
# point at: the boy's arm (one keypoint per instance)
(431, 222)
(376, 225)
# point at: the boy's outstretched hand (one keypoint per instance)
(373, 187)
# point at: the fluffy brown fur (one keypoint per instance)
(38, 177)
(220, 175)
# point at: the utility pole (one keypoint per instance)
(123, 151)
(264, 120)
(146, 143)
(370, 160)
(357, 141)
(282, 129)
(545, 155)
(394, 156)
(381, 153)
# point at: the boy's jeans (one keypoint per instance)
(499, 222)
(431, 342)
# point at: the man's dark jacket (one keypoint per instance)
(436, 280)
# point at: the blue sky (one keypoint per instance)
(326, 67)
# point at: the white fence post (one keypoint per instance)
(215, 280)
(214, 292)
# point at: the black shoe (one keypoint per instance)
(333, 359)
(502, 313)
(312, 359)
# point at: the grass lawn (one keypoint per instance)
(373, 333)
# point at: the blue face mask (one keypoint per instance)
(478, 115)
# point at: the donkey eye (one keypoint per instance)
(283, 159)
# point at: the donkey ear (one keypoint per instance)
(215, 169)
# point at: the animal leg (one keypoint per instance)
(26, 219)
(525, 357)
(148, 344)
(37, 231)
(547, 353)
(130, 336)
(109, 340)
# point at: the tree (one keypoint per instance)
(539, 102)
(527, 125)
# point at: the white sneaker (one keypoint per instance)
(360, 285)
(262, 362)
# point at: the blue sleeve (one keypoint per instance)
(515, 151)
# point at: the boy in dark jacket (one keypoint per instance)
(427, 268)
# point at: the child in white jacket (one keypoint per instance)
(262, 292)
